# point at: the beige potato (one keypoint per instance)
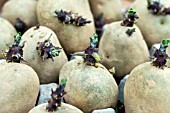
(154, 28)
(147, 90)
(19, 86)
(71, 37)
(47, 70)
(65, 108)
(23, 9)
(7, 32)
(88, 88)
(110, 8)
(123, 52)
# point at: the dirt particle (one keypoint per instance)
(31, 36)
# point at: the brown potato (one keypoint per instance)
(123, 52)
(65, 108)
(147, 90)
(110, 8)
(7, 32)
(154, 28)
(72, 38)
(88, 88)
(23, 9)
(19, 86)
(48, 71)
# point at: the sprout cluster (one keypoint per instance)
(15, 52)
(56, 97)
(47, 50)
(129, 21)
(129, 32)
(160, 56)
(71, 18)
(157, 8)
(90, 55)
(130, 18)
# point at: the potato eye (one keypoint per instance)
(47, 44)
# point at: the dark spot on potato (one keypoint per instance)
(78, 64)
(31, 36)
(107, 56)
(162, 21)
(15, 69)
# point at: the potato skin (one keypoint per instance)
(147, 90)
(110, 8)
(65, 108)
(71, 37)
(19, 86)
(23, 9)
(7, 32)
(168, 60)
(48, 71)
(2, 3)
(88, 88)
(154, 28)
(119, 50)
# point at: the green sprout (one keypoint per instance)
(17, 39)
(132, 11)
(130, 18)
(165, 42)
(47, 50)
(56, 97)
(160, 57)
(112, 70)
(164, 45)
(97, 57)
(55, 52)
(94, 40)
(63, 82)
(90, 55)
(15, 51)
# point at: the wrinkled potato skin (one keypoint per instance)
(71, 37)
(119, 50)
(48, 71)
(23, 9)
(110, 8)
(19, 86)
(65, 108)
(154, 28)
(147, 90)
(87, 87)
(7, 32)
